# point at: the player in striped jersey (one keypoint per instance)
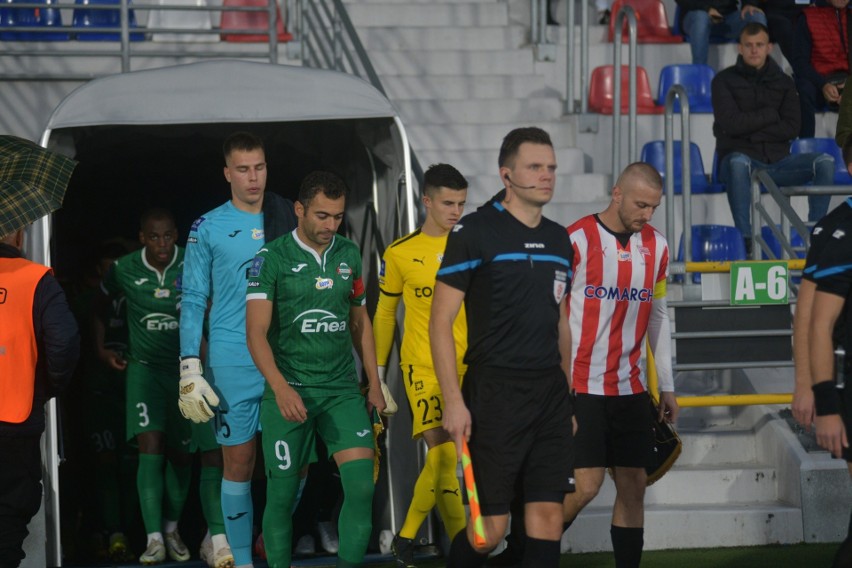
(618, 296)
(408, 272)
(305, 311)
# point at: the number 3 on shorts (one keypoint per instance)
(282, 452)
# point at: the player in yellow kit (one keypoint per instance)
(408, 272)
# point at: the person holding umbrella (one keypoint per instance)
(39, 339)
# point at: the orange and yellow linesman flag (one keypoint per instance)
(472, 497)
(378, 428)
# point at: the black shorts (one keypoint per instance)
(612, 431)
(521, 428)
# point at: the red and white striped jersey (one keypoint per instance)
(612, 291)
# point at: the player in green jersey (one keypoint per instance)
(148, 279)
(305, 311)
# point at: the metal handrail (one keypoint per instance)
(789, 217)
(686, 181)
(624, 12)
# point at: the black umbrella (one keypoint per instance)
(32, 182)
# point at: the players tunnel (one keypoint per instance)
(153, 138)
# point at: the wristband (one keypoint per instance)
(826, 399)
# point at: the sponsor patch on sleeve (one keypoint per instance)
(196, 224)
(256, 265)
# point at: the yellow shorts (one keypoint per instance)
(424, 398)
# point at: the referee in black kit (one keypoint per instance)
(511, 268)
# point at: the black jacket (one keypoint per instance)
(755, 111)
(58, 343)
(279, 216)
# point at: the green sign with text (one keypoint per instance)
(759, 283)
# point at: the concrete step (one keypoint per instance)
(443, 38)
(462, 86)
(434, 111)
(728, 525)
(716, 447)
(483, 163)
(465, 136)
(698, 486)
(446, 62)
(392, 14)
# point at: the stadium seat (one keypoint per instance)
(30, 17)
(181, 20)
(654, 153)
(259, 21)
(602, 91)
(652, 22)
(714, 243)
(695, 78)
(827, 146)
(84, 18)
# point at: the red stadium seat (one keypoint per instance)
(602, 91)
(652, 23)
(259, 21)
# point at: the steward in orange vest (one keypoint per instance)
(39, 348)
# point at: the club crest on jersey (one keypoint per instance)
(344, 271)
(256, 265)
(324, 283)
(644, 251)
(257, 234)
(559, 289)
(162, 292)
(624, 256)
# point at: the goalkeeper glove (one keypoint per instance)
(196, 395)
(390, 404)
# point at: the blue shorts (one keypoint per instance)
(240, 390)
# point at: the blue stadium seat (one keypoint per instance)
(827, 146)
(654, 153)
(30, 17)
(84, 18)
(714, 243)
(695, 79)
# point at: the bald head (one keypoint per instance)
(639, 173)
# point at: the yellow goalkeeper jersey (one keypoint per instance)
(408, 271)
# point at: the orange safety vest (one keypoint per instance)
(18, 349)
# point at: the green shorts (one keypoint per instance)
(341, 421)
(152, 405)
(203, 436)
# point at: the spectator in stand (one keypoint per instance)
(820, 59)
(718, 19)
(756, 116)
(781, 18)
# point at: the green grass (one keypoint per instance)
(777, 556)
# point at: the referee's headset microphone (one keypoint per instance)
(516, 185)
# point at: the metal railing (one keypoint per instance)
(628, 13)
(679, 92)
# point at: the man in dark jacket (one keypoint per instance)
(719, 19)
(820, 59)
(756, 115)
(39, 347)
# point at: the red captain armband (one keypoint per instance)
(826, 398)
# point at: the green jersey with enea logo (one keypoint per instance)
(311, 297)
(152, 306)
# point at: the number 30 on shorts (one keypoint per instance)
(282, 452)
(431, 408)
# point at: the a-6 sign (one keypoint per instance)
(760, 282)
